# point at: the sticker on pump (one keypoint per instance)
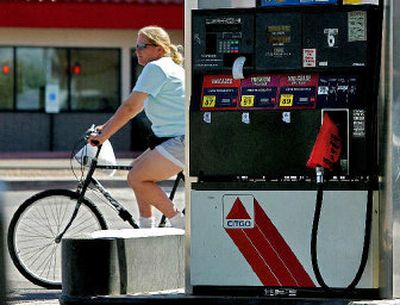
(286, 100)
(209, 101)
(298, 91)
(220, 92)
(338, 91)
(259, 92)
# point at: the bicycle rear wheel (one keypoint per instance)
(36, 224)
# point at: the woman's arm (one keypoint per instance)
(127, 110)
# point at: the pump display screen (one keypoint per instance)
(223, 35)
(218, 40)
(278, 41)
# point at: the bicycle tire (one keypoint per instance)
(34, 226)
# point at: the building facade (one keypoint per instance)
(67, 64)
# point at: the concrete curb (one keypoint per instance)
(120, 262)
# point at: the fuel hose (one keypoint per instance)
(366, 243)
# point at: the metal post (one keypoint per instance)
(390, 153)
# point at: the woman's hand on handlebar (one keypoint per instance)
(96, 138)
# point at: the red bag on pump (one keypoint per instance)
(327, 147)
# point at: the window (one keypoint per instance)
(37, 68)
(94, 80)
(77, 79)
(6, 79)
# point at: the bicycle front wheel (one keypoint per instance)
(34, 227)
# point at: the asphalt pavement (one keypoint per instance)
(21, 172)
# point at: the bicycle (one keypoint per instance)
(43, 220)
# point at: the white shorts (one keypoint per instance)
(174, 150)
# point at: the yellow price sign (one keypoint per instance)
(286, 100)
(209, 101)
(247, 101)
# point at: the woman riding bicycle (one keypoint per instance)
(160, 91)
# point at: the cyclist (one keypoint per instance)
(160, 91)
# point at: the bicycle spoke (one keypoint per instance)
(38, 253)
(80, 225)
(38, 220)
(34, 235)
(44, 265)
(41, 219)
(47, 264)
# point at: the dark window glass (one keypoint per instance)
(95, 79)
(135, 67)
(141, 125)
(37, 70)
(6, 79)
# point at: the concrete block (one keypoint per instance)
(116, 262)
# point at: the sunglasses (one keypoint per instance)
(142, 46)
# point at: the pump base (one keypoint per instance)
(183, 299)
(286, 292)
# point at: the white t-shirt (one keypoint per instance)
(163, 81)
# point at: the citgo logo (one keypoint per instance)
(261, 244)
(238, 211)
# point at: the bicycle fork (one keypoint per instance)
(83, 190)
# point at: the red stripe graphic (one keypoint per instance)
(267, 252)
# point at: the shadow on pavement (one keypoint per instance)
(21, 295)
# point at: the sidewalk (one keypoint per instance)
(54, 170)
(50, 170)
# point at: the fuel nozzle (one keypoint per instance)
(327, 148)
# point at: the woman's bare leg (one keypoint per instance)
(147, 170)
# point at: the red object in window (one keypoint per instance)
(76, 69)
(6, 69)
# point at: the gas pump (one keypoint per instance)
(283, 146)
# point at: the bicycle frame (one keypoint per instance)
(122, 211)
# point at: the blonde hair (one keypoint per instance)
(160, 37)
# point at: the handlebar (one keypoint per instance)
(92, 129)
